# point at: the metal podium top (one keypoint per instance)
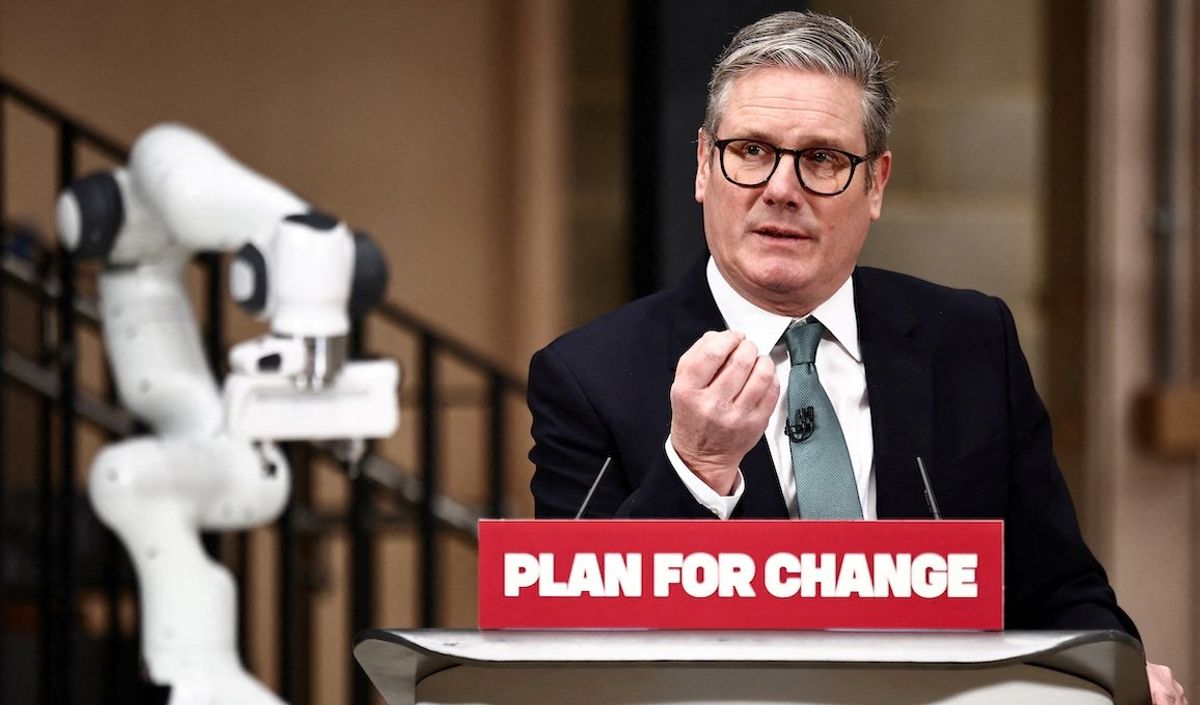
(397, 660)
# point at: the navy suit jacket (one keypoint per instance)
(946, 381)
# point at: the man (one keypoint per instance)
(779, 379)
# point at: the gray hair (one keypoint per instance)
(812, 42)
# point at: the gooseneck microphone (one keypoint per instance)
(591, 491)
(930, 499)
(802, 425)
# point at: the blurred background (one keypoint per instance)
(527, 165)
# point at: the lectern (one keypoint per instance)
(692, 667)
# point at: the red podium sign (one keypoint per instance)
(741, 574)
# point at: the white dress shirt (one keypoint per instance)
(843, 375)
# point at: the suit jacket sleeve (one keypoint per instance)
(582, 417)
(1053, 580)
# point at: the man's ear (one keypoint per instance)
(703, 163)
(882, 171)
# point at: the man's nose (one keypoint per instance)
(783, 188)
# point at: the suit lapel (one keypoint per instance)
(899, 387)
(698, 313)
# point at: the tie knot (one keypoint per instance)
(801, 339)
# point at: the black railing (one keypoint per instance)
(43, 279)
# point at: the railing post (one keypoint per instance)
(287, 593)
(287, 587)
(295, 676)
(47, 545)
(363, 575)
(3, 350)
(497, 431)
(117, 682)
(361, 545)
(67, 364)
(429, 476)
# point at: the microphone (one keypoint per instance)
(592, 491)
(930, 500)
(802, 425)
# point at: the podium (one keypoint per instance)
(761, 667)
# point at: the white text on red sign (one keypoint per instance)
(784, 575)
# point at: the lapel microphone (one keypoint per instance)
(802, 425)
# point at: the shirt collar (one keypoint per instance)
(764, 328)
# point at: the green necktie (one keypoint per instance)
(825, 487)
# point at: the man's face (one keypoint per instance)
(779, 246)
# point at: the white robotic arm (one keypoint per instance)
(302, 270)
(210, 463)
(206, 199)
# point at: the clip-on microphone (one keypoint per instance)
(802, 426)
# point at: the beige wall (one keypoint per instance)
(963, 206)
(1144, 508)
(401, 117)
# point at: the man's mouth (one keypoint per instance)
(781, 232)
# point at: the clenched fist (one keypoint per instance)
(722, 396)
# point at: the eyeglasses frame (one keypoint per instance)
(855, 160)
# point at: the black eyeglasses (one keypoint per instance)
(824, 171)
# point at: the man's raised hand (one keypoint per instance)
(722, 396)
